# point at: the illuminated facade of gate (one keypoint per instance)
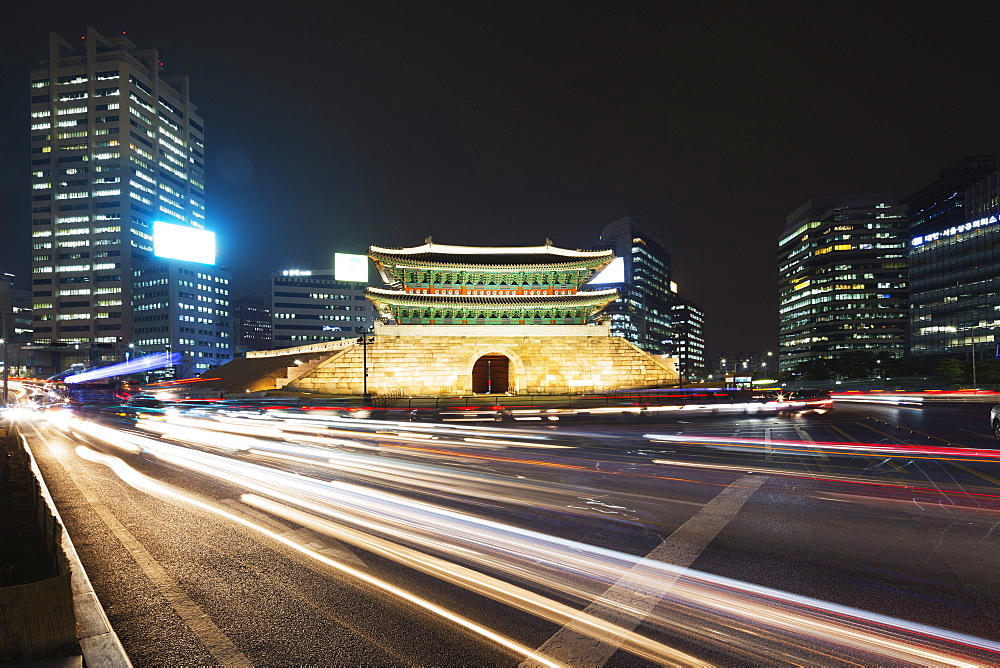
(461, 320)
(436, 284)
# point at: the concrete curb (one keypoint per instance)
(98, 641)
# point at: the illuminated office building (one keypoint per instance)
(688, 338)
(954, 262)
(252, 325)
(115, 147)
(941, 203)
(15, 305)
(641, 274)
(842, 279)
(183, 307)
(955, 278)
(314, 306)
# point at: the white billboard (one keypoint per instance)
(181, 242)
(613, 273)
(353, 268)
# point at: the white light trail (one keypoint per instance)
(574, 569)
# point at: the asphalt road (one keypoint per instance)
(361, 543)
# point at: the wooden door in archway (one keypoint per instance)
(491, 374)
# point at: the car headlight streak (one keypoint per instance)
(432, 539)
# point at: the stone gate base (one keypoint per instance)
(438, 360)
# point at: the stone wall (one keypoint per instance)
(405, 361)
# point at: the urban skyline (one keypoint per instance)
(701, 132)
(390, 351)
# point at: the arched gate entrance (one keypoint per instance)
(491, 374)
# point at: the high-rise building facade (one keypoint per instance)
(955, 279)
(116, 148)
(15, 307)
(312, 306)
(954, 268)
(642, 314)
(688, 338)
(941, 203)
(842, 279)
(252, 324)
(183, 307)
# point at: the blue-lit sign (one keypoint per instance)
(952, 231)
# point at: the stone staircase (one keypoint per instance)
(296, 371)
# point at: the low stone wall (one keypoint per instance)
(438, 362)
(325, 347)
(36, 617)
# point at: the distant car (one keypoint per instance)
(809, 400)
(462, 414)
(995, 421)
(144, 401)
(129, 415)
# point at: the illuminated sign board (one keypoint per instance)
(353, 268)
(181, 242)
(952, 231)
(613, 273)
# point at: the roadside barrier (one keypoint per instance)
(36, 618)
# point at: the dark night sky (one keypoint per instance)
(334, 125)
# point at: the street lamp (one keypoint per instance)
(973, 327)
(3, 333)
(4, 340)
(364, 365)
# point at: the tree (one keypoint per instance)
(895, 368)
(813, 370)
(988, 372)
(951, 369)
(856, 364)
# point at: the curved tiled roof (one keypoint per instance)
(500, 258)
(586, 298)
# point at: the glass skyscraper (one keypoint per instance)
(115, 148)
(954, 264)
(642, 314)
(842, 279)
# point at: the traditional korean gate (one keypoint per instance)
(491, 374)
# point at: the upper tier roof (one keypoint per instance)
(483, 256)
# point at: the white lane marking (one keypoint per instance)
(317, 542)
(211, 636)
(626, 605)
